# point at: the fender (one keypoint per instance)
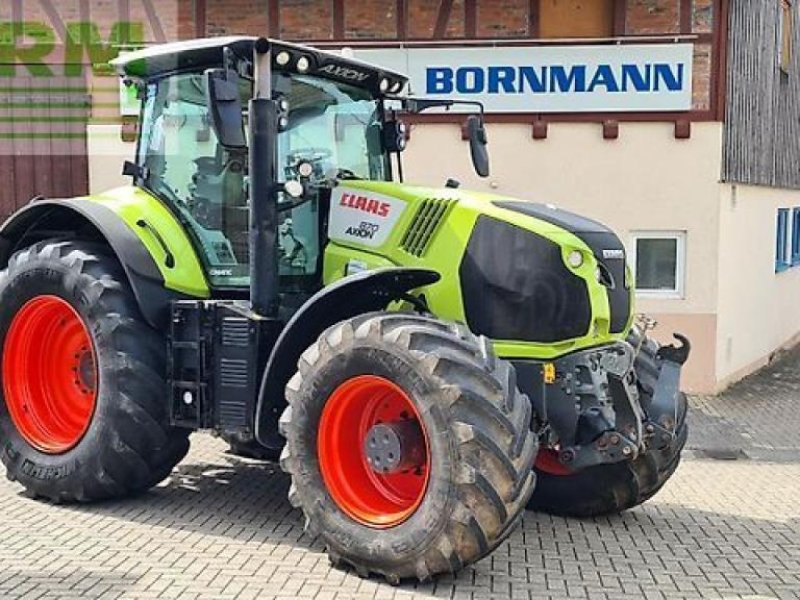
(353, 295)
(42, 219)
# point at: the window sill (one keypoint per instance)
(660, 294)
(783, 267)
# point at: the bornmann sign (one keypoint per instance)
(618, 78)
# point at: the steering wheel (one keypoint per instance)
(310, 154)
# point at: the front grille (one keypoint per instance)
(516, 286)
(424, 225)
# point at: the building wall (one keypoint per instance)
(758, 308)
(762, 129)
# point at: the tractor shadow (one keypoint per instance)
(661, 546)
(240, 499)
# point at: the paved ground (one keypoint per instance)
(726, 526)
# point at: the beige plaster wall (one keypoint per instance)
(759, 309)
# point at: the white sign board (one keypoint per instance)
(618, 78)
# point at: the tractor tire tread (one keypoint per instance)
(489, 423)
(138, 448)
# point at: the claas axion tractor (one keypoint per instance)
(424, 363)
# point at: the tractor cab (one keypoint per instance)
(332, 124)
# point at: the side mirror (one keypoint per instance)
(476, 132)
(225, 107)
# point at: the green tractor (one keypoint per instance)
(425, 363)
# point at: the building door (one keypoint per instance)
(42, 139)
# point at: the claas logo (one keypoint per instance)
(365, 204)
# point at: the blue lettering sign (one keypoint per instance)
(439, 80)
(673, 81)
(502, 77)
(632, 74)
(555, 79)
(470, 80)
(536, 82)
(575, 81)
(604, 76)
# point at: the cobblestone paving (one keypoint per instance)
(759, 417)
(220, 527)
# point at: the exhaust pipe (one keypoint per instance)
(263, 213)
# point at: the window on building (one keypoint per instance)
(659, 262)
(782, 261)
(787, 31)
(796, 236)
(576, 18)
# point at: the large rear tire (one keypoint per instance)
(82, 403)
(467, 454)
(609, 489)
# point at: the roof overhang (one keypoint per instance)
(159, 61)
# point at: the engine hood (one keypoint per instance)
(510, 257)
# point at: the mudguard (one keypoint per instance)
(353, 295)
(41, 219)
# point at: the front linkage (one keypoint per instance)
(593, 410)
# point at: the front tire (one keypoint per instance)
(83, 414)
(466, 457)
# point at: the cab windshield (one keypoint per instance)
(333, 126)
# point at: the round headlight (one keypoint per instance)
(302, 64)
(575, 259)
(384, 84)
(397, 86)
(282, 58)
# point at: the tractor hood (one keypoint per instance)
(524, 271)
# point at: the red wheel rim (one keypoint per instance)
(49, 374)
(374, 499)
(547, 462)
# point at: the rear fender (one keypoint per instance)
(354, 295)
(82, 219)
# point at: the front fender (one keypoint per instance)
(74, 218)
(356, 294)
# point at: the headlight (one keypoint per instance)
(575, 259)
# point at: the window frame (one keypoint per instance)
(783, 238)
(679, 292)
(795, 237)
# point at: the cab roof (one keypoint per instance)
(196, 55)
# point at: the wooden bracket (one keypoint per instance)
(610, 130)
(540, 130)
(683, 129)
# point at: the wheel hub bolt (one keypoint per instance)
(394, 447)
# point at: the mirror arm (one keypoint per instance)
(417, 105)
